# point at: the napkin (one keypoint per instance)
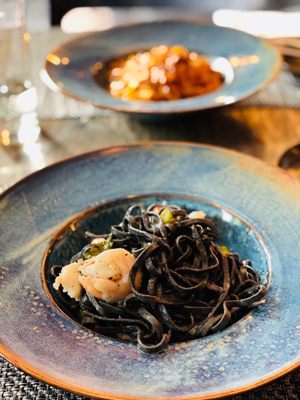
(268, 24)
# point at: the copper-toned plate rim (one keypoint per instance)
(26, 367)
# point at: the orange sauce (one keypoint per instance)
(162, 73)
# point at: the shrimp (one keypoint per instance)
(68, 279)
(105, 276)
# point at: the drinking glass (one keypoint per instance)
(18, 97)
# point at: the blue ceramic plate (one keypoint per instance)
(247, 63)
(258, 212)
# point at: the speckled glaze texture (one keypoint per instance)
(258, 204)
(247, 62)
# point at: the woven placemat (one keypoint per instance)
(17, 385)
(282, 92)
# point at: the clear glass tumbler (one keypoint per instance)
(18, 97)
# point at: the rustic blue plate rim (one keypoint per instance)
(216, 162)
(248, 79)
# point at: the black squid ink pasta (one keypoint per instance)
(181, 284)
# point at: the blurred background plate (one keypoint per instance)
(259, 202)
(247, 63)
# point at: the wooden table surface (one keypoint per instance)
(261, 132)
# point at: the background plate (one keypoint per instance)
(247, 62)
(37, 337)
